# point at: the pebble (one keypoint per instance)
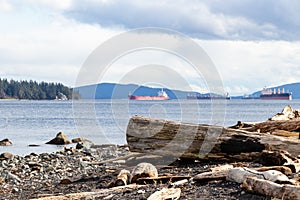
(15, 190)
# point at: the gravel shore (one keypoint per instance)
(74, 170)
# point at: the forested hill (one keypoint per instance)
(33, 90)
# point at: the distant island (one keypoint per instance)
(121, 91)
(33, 90)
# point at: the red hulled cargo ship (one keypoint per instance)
(161, 95)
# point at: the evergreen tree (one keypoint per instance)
(32, 90)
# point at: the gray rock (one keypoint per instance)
(5, 142)
(60, 139)
(6, 156)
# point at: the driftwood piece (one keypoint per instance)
(161, 179)
(288, 128)
(193, 141)
(216, 173)
(269, 188)
(283, 169)
(270, 126)
(240, 173)
(209, 176)
(166, 193)
(100, 194)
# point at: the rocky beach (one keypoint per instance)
(87, 171)
(86, 174)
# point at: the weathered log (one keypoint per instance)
(271, 189)
(193, 141)
(288, 128)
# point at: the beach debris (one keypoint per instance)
(166, 193)
(60, 139)
(143, 170)
(5, 142)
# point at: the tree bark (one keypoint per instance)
(200, 141)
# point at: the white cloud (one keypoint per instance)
(246, 20)
(5, 6)
(52, 4)
(52, 53)
(252, 65)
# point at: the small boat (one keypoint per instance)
(161, 96)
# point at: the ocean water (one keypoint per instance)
(105, 121)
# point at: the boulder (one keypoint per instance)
(143, 170)
(6, 156)
(60, 139)
(5, 142)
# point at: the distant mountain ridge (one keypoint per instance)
(121, 91)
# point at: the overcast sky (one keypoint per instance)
(253, 43)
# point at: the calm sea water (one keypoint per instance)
(105, 121)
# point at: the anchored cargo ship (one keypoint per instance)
(208, 96)
(161, 95)
(269, 94)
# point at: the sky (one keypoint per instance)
(252, 43)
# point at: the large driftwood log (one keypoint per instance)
(170, 138)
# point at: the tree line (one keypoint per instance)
(33, 90)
